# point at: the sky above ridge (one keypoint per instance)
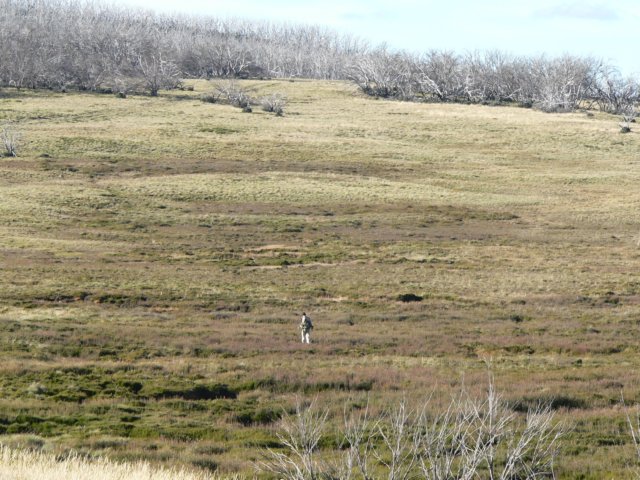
(603, 29)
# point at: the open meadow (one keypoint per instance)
(157, 254)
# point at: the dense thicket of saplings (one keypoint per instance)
(64, 44)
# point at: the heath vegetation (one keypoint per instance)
(157, 253)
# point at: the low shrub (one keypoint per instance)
(554, 403)
(10, 138)
(274, 104)
(409, 297)
(205, 464)
(210, 97)
(234, 95)
(263, 416)
(628, 117)
(198, 392)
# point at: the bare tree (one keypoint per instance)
(438, 75)
(634, 430)
(158, 74)
(359, 438)
(300, 435)
(382, 73)
(491, 76)
(562, 83)
(473, 436)
(400, 441)
(614, 94)
(471, 439)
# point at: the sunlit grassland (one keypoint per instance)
(28, 465)
(157, 251)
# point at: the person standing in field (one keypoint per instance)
(305, 327)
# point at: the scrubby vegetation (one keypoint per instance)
(64, 45)
(102, 47)
(10, 139)
(157, 253)
(469, 439)
(562, 84)
(274, 103)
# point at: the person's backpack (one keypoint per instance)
(307, 325)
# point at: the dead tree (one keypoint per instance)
(473, 438)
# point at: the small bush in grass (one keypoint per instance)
(409, 297)
(36, 388)
(210, 97)
(10, 139)
(197, 392)
(205, 464)
(554, 403)
(628, 117)
(274, 103)
(263, 416)
(234, 95)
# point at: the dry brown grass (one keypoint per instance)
(27, 465)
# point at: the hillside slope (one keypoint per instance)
(157, 254)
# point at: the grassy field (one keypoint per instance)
(156, 254)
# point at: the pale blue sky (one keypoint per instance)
(604, 29)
